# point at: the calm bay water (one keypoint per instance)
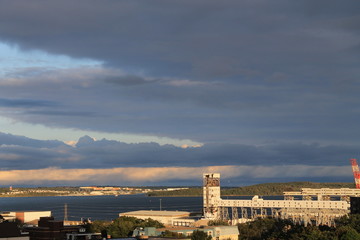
(99, 207)
(105, 207)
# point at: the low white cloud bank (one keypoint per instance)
(147, 176)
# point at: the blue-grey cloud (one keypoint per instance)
(25, 103)
(211, 112)
(108, 162)
(238, 72)
(207, 38)
(9, 139)
(60, 113)
(128, 80)
(24, 153)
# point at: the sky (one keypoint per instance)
(129, 92)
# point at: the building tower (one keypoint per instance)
(355, 169)
(211, 195)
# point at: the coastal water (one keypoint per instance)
(104, 207)
(99, 207)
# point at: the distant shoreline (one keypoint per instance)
(69, 195)
(265, 189)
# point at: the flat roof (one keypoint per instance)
(155, 213)
(176, 228)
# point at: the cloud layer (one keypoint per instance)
(210, 71)
(180, 175)
(262, 85)
(24, 161)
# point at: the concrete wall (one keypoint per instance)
(26, 217)
(16, 238)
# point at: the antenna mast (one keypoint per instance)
(65, 212)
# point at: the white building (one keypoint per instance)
(172, 218)
(29, 217)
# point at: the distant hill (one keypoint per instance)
(278, 188)
(264, 189)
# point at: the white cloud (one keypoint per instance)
(150, 175)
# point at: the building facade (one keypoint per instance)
(168, 218)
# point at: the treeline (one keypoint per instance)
(193, 191)
(268, 189)
(264, 189)
(121, 227)
(347, 228)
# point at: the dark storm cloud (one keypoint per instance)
(207, 112)
(182, 38)
(20, 153)
(9, 139)
(22, 157)
(212, 71)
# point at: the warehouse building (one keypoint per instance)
(28, 217)
(168, 218)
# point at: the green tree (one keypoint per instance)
(151, 223)
(353, 220)
(314, 233)
(122, 226)
(347, 233)
(218, 223)
(275, 229)
(264, 228)
(97, 226)
(200, 235)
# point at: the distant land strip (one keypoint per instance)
(264, 189)
(70, 191)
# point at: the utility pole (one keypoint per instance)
(65, 212)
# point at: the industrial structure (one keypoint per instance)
(355, 169)
(309, 206)
(168, 218)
